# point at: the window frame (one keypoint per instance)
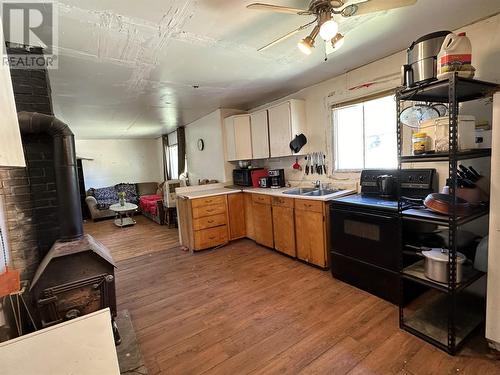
(346, 104)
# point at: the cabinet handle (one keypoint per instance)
(210, 221)
(211, 238)
(208, 201)
(210, 210)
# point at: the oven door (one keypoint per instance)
(368, 236)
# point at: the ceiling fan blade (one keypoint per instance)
(280, 39)
(277, 8)
(286, 36)
(371, 6)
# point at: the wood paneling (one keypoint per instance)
(283, 202)
(309, 205)
(249, 216)
(310, 235)
(263, 223)
(243, 308)
(209, 201)
(261, 198)
(209, 210)
(284, 229)
(207, 238)
(209, 221)
(236, 209)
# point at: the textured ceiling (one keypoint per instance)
(127, 68)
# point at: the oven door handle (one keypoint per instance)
(364, 214)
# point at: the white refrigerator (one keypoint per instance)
(493, 296)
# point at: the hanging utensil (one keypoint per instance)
(324, 164)
(312, 163)
(296, 165)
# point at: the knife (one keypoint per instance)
(475, 172)
(468, 174)
(324, 164)
(307, 164)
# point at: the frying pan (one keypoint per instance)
(442, 203)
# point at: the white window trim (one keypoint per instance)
(334, 136)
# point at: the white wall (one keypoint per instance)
(120, 160)
(209, 163)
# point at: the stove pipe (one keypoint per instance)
(68, 196)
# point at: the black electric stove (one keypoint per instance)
(365, 231)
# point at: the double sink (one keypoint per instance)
(311, 192)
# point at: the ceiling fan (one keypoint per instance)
(325, 25)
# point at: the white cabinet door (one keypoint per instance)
(230, 142)
(260, 134)
(280, 130)
(242, 137)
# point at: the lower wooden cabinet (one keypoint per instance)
(284, 225)
(263, 220)
(296, 227)
(249, 215)
(203, 222)
(310, 231)
(236, 208)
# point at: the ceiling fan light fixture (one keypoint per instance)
(329, 27)
(338, 41)
(307, 44)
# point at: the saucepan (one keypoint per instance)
(436, 263)
(437, 267)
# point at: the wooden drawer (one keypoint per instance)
(261, 198)
(211, 210)
(207, 238)
(309, 205)
(282, 202)
(209, 222)
(208, 201)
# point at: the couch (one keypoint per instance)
(99, 200)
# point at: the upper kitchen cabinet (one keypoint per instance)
(286, 120)
(238, 138)
(260, 135)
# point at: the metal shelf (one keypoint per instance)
(440, 157)
(425, 215)
(429, 318)
(416, 273)
(446, 321)
(438, 91)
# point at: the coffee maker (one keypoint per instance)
(276, 178)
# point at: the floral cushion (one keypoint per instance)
(130, 192)
(105, 197)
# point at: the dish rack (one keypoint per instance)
(443, 314)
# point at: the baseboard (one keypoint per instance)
(495, 346)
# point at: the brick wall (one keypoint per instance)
(30, 193)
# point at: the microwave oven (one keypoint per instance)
(245, 176)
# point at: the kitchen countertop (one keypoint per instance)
(210, 192)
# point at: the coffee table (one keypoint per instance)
(124, 214)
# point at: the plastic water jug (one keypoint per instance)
(455, 56)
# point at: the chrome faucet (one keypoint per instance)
(317, 184)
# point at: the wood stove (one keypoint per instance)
(76, 277)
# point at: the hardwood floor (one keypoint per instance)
(246, 309)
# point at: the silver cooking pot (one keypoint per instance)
(437, 267)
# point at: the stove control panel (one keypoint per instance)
(417, 178)
(413, 181)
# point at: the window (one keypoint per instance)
(365, 135)
(171, 155)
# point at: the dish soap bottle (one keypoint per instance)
(455, 56)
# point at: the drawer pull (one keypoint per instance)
(208, 201)
(210, 210)
(210, 221)
(212, 238)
